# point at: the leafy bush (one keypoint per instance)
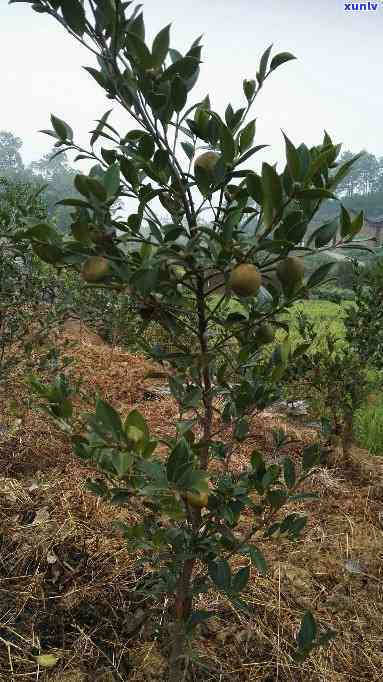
(343, 369)
(26, 282)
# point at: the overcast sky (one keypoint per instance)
(336, 83)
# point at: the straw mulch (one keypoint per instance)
(67, 580)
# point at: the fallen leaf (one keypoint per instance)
(47, 660)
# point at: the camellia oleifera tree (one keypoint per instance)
(342, 369)
(185, 274)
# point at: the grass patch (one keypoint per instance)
(368, 426)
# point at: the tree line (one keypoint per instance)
(54, 174)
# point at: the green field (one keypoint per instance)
(328, 317)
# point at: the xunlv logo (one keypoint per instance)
(361, 6)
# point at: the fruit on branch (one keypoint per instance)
(290, 272)
(95, 269)
(206, 161)
(197, 500)
(245, 280)
(264, 334)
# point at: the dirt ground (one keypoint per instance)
(67, 580)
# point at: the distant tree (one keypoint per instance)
(368, 173)
(11, 162)
(58, 176)
(364, 176)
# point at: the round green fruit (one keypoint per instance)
(206, 161)
(95, 269)
(197, 500)
(245, 280)
(290, 270)
(264, 334)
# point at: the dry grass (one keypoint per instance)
(67, 580)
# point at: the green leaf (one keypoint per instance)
(188, 149)
(73, 202)
(345, 223)
(254, 187)
(324, 234)
(161, 46)
(220, 573)
(145, 280)
(293, 160)
(129, 171)
(97, 188)
(137, 26)
(161, 163)
(241, 579)
(232, 221)
(146, 147)
(49, 253)
(271, 475)
(185, 67)
(227, 144)
(140, 50)
(178, 95)
(81, 232)
(319, 275)
(247, 155)
(122, 462)
(258, 559)
(180, 460)
(63, 130)
(280, 58)
(100, 127)
(194, 481)
(307, 632)
(311, 457)
(138, 421)
(111, 179)
(81, 184)
(357, 224)
(97, 488)
(74, 15)
(272, 192)
(257, 462)
(99, 77)
(109, 418)
(246, 137)
(249, 87)
(241, 430)
(293, 525)
(263, 65)
(289, 472)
